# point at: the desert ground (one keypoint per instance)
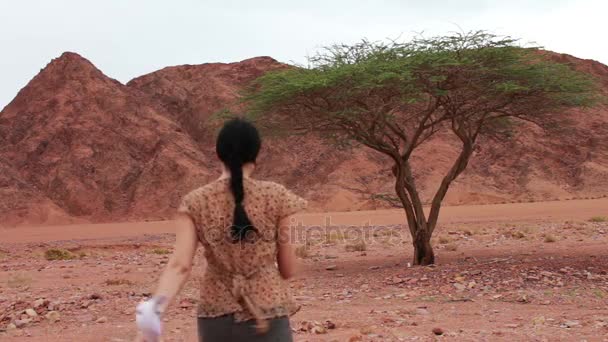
(509, 272)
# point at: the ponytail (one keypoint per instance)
(241, 226)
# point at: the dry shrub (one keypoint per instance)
(58, 254)
(358, 246)
(302, 252)
(118, 282)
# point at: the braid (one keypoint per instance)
(241, 225)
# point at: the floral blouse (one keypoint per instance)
(242, 278)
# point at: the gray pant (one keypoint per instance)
(225, 329)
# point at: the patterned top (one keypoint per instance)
(247, 270)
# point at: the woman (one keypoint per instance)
(243, 226)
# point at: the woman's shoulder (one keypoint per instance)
(270, 186)
(205, 190)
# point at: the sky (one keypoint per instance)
(129, 38)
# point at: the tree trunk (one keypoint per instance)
(423, 251)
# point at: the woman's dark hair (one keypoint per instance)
(238, 143)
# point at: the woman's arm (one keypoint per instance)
(178, 269)
(286, 256)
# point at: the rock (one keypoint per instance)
(571, 324)
(318, 329)
(355, 338)
(38, 303)
(10, 327)
(438, 331)
(366, 330)
(512, 326)
(331, 267)
(422, 311)
(374, 267)
(31, 312)
(459, 287)
(95, 296)
(101, 320)
(329, 325)
(21, 323)
(459, 279)
(53, 316)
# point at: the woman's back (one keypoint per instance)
(245, 267)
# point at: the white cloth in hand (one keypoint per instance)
(148, 321)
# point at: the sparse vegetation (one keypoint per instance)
(118, 282)
(160, 251)
(302, 251)
(518, 235)
(58, 254)
(332, 238)
(598, 219)
(358, 246)
(550, 238)
(444, 240)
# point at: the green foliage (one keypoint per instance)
(477, 74)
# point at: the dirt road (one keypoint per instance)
(547, 211)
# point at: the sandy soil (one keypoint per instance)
(515, 272)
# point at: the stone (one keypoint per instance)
(366, 330)
(571, 324)
(318, 329)
(438, 331)
(21, 323)
(101, 320)
(422, 311)
(459, 286)
(38, 303)
(31, 312)
(331, 267)
(53, 316)
(330, 325)
(10, 327)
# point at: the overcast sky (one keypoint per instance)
(128, 38)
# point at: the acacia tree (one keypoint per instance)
(392, 97)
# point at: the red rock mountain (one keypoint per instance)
(77, 145)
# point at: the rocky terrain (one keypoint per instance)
(507, 279)
(78, 146)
